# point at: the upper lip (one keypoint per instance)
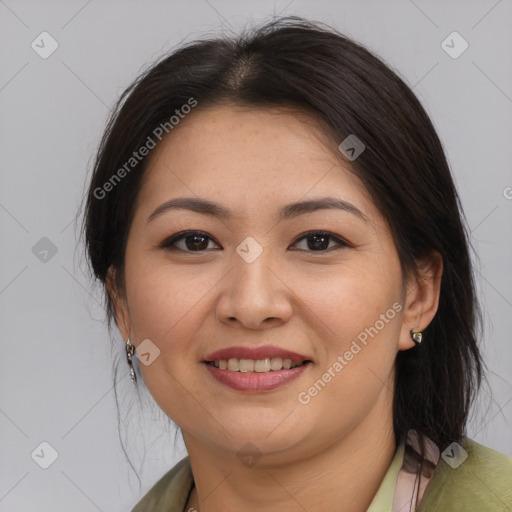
(256, 353)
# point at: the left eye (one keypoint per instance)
(197, 241)
(319, 240)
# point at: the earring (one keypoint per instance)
(130, 352)
(416, 336)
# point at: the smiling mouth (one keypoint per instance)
(269, 364)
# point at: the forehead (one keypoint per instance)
(249, 155)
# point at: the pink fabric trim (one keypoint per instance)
(406, 489)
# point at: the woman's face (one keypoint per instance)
(251, 278)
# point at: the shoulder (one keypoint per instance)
(170, 492)
(473, 478)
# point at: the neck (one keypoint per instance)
(349, 472)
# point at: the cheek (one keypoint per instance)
(164, 305)
(161, 296)
(359, 314)
(352, 298)
(362, 313)
(168, 306)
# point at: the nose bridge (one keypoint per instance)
(255, 292)
(254, 276)
(257, 275)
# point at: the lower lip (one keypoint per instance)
(254, 381)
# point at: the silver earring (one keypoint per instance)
(130, 352)
(416, 336)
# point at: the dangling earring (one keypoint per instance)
(130, 352)
(416, 336)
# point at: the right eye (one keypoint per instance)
(193, 241)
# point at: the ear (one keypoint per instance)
(119, 303)
(422, 297)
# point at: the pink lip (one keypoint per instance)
(255, 382)
(256, 353)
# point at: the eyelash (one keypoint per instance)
(168, 244)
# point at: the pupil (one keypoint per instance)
(196, 244)
(322, 245)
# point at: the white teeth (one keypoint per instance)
(254, 365)
(276, 363)
(233, 365)
(262, 365)
(246, 365)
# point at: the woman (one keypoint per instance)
(281, 243)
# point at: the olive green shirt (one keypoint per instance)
(482, 483)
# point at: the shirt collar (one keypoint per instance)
(383, 499)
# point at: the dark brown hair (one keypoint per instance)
(311, 67)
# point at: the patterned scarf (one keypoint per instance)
(413, 476)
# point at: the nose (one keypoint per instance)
(255, 295)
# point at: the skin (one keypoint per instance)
(337, 448)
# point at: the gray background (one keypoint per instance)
(56, 380)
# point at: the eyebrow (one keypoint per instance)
(289, 211)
